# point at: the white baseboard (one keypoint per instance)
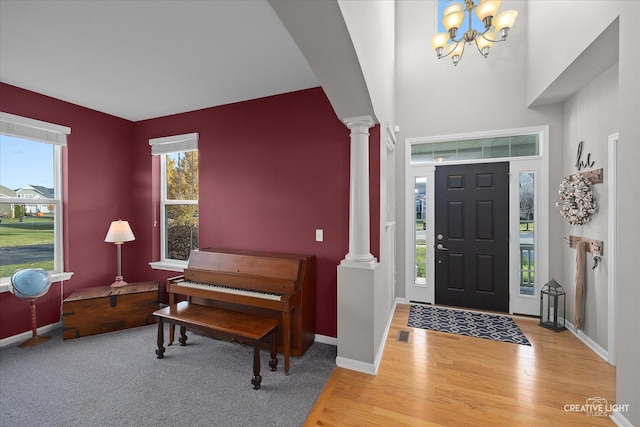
(356, 365)
(326, 339)
(27, 335)
(588, 341)
(385, 334)
(620, 419)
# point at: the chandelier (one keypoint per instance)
(496, 28)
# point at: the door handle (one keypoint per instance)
(440, 247)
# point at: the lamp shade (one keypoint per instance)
(439, 40)
(455, 7)
(486, 39)
(453, 19)
(119, 232)
(487, 8)
(456, 49)
(505, 19)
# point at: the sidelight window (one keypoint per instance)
(420, 227)
(527, 232)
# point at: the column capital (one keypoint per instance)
(360, 121)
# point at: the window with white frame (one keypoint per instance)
(31, 168)
(178, 196)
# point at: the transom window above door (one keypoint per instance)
(481, 148)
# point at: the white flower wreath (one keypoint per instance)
(577, 201)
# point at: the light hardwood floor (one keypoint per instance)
(445, 379)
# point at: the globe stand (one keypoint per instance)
(27, 285)
(35, 339)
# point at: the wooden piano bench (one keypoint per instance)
(224, 324)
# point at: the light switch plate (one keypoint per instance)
(319, 235)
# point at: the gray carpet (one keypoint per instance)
(115, 379)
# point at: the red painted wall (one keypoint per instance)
(97, 171)
(272, 171)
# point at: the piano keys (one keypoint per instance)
(275, 285)
(231, 290)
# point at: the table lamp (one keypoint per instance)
(119, 232)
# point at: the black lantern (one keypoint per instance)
(552, 306)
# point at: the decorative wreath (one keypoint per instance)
(577, 201)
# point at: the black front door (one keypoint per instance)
(472, 236)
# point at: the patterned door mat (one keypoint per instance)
(472, 324)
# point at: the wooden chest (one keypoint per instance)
(105, 309)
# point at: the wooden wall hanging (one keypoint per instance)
(591, 245)
(594, 176)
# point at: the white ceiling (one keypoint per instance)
(141, 59)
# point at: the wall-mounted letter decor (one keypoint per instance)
(579, 163)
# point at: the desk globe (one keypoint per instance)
(29, 284)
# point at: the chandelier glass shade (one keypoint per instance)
(496, 28)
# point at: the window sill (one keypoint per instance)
(178, 266)
(55, 277)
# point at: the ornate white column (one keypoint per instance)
(359, 242)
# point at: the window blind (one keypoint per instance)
(35, 130)
(174, 144)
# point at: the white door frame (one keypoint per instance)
(612, 231)
(426, 292)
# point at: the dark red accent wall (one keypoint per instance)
(272, 171)
(97, 170)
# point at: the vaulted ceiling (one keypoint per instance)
(146, 59)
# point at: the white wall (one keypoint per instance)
(436, 98)
(371, 25)
(558, 34)
(547, 63)
(591, 116)
(628, 289)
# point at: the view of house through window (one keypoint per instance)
(180, 204)
(29, 205)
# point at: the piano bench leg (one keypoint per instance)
(257, 379)
(273, 363)
(183, 335)
(160, 350)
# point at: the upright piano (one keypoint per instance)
(276, 285)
